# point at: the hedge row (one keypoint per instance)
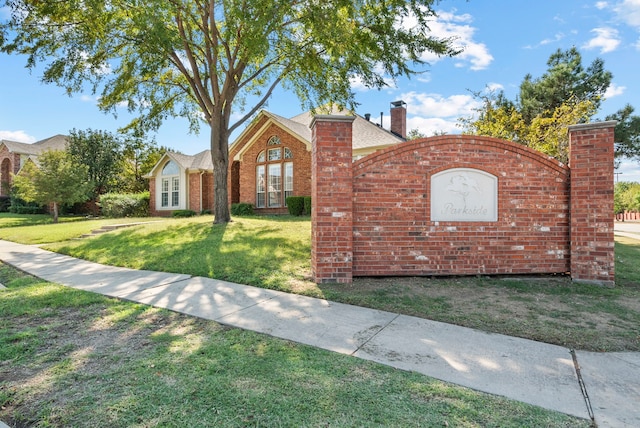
(125, 204)
(299, 205)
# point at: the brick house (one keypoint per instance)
(269, 161)
(181, 182)
(14, 155)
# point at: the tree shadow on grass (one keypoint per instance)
(243, 252)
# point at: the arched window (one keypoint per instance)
(274, 141)
(274, 175)
(170, 186)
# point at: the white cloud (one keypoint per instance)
(448, 25)
(602, 5)
(17, 136)
(494, 87)
(629, 171)
(614, 90)
(433, 126)
(556, 38)
(435, 105)
(606, 39)
(637, 45)
(629, 12)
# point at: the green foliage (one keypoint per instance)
(241, 209)
(626, 197)
(415, 134)
(125, 204)
(5, 203)
(307, 205)
(627, 133)
(139, 157)
(20, 206)
(183, 213)
(101, 152)
(56, 181)
(565, 79)
(295, 205)
(204, 67)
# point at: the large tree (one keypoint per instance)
(101, 152)
(207, 59)
(55, 181)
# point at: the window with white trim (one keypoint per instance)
(170, 186)
(261, 201)
(274, 176)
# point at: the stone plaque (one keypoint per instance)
(464, 194)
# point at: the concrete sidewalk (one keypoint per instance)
(602, 386)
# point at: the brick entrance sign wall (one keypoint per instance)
(461, 205)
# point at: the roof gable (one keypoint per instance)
(199, 162)
(367, 136)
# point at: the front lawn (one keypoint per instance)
(275, 253)
(20, 227)
(70, 358)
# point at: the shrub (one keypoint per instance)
(125, 204)
(241, 209)
(307, 205)
(183, 213)
(20, 206)
(295, 204)
(5, 202)
(205, 212)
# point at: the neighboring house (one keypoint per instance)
(181, 182)
(269, 161)
(13, 156)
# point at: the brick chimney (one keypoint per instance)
(399, 118)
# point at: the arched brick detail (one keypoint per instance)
(394, 234)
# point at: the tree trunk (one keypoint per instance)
(55, 212)
(220, 157)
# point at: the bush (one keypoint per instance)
(183, 213)
(5, 202)
(205, 212)
(241, 209)
(295, 204)
(307, 205)
(19, 206)
(125, 204)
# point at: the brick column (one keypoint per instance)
(331, 199)
(591, 160)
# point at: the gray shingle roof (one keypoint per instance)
(366, 134)
(199, 161)
(57, 142)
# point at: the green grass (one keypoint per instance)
(265, 252)
(13, 220)
(72, 358)
(275, 253)
(39, 229)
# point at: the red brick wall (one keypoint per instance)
(392, 232)
(193, 189)
(13, 164)
(591, 161)
(244, 190)
(332, 207)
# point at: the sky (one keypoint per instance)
(502, 42)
